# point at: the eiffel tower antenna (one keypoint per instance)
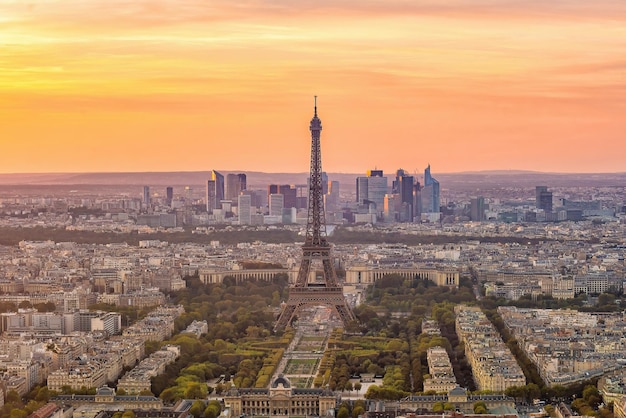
(328, 292)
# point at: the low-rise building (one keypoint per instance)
(441, 378)
(280, 399)
(462, 401)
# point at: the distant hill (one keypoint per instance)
(495, 179)
(175, 178)
(457, 181)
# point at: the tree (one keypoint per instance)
(13, 398)
(197, 409)
(45, 307)
(213, 409)
(559, 392)
(18, 413)
(43, 394)
(480, 410)
(357, 410)
(438, 406)
(515, 392)
(171, 394)
(533, 391)
(128, 414)
(195, 390)
(343, 412)
(7, 307)
(591, 395)
(209, 412)
(480, 407)
(25, 304)
(357, 387)
(606, 299)
(606, 411)
(32, 406)
(582, 407)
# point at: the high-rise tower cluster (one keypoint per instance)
(407, 201)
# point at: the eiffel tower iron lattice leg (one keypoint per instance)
(316, 248)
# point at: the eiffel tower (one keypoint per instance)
(306, 292)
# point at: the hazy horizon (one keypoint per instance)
(386, 172)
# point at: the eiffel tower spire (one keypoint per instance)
(316, 248)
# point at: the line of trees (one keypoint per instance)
(239, 344)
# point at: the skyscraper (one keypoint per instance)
(371, 190)
(214, 191)
(477, 209)
(235, 184)
(361, 190)
(244, 209)
(331, 199)
(430, 193)
(277, 203)
(289, 192)
(258, 198)
(543, 198)
(404, 186)
(395, 185)
(146, 196)
(211, 200)
(417, 200)
(169, 195)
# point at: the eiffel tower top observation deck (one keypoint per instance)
(305, 293)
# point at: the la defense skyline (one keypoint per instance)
(406, 200)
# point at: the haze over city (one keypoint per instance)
(93, 86)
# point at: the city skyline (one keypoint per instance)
(185, 86)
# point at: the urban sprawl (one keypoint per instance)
(88, 281)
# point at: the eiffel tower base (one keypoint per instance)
(303, 297)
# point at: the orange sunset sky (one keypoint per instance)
(188, 85)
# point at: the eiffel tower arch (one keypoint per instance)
(324, 290)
